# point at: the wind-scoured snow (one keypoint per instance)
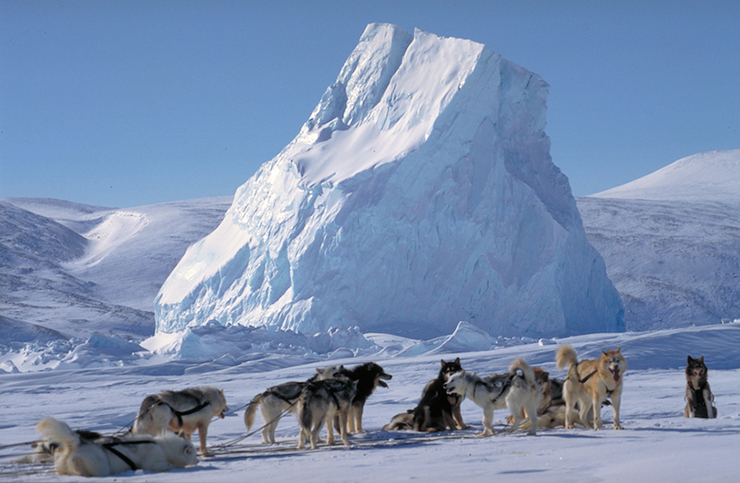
(420, 193)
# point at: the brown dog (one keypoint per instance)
(591, 382)
(699, 397)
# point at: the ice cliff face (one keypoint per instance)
(419, 193)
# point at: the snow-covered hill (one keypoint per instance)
(78, 269)
(671, 241)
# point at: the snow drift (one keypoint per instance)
(419, 193)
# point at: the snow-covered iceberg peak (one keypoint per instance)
(419, 193)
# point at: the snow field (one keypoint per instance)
(658, 444)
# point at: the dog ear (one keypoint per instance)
(689, 360)
(701, 359)
(443, 362)
(457, 361)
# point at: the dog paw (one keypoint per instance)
(618, 426)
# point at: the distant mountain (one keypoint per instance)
(77, 269)
(714, 176)
(67, 270)
(671, 241)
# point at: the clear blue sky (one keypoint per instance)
(127, 103)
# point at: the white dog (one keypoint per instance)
(76, 455)
(185, 412)
(516, 390)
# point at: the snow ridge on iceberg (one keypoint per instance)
(419, 193)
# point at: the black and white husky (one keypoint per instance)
(280, 399)
(322, 401)
(516, 390)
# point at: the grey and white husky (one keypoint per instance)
(320, 402)
(516, 390)
(183, 412)
(279, 399)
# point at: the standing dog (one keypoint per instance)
(590, 383)
(81, 453)
(437, 410)
(320, 402)
(699, 397)
(282, 398)
(516, 390)
(183, 411)
(368, 376)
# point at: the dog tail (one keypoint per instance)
(305, 416)
(521, 365)
(58, 433)
(251, 410)
(566, 356)
(144, 418)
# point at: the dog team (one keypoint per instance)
(160, 437)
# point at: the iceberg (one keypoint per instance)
(419, 193)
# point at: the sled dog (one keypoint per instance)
(516, 390)
(320, 402)
(590, 383)
(551, 412)
(281, 398)
(437, 410)
(87, 454)
(699, 397)
(183, 411)
(368, 376)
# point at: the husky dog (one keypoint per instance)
(699, 397)
(437, 410)
(282, 398)
(321, 401)
(368, 376)
(88, 454)
(551, 412)
(516, 390)
(590, 382)
(183, 411)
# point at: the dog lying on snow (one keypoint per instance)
(699, 396)
(278, 399)
(518, 390)
(83, 453)
(183, 412)
(590, 383)
(322, 401)
(437, 410)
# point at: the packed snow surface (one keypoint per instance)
(657, 444)
(420, 193)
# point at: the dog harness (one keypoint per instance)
(504, 387)
(609, 392)
(180, 414)
(701, 408)
(110, 447)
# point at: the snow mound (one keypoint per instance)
(419, 193)
(713, 175)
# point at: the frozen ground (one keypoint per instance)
(658, 444)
